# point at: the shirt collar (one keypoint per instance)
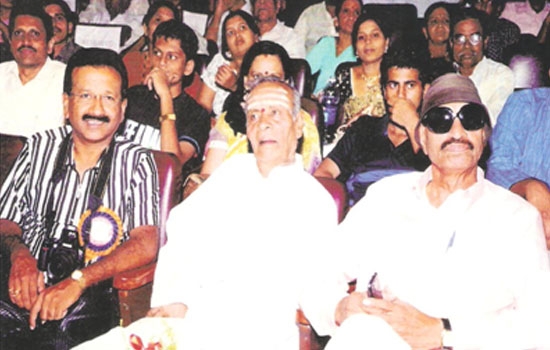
(470, 194)
(282, 171)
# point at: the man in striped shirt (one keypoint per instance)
(78, 207)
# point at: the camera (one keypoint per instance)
(60, 257)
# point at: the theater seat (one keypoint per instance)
(135, 286)
(339, 194)
(10, 146)
(316, 112)
(309, 340)
(300, 72)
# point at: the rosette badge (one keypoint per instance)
(100, 232)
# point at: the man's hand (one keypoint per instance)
(222, 6)
(158, 80)
(53, 302)
(350, 305)
(403, 113)
(25, 281)
(178, 310)
(226, 77)
(419, 330)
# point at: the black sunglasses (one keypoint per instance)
(440, 119)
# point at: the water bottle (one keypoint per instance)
(330, 100)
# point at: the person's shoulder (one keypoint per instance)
(327, 40)
(139, 91)
(506, 201)
(192, 107)
(282, 27)
(398, 183)
(48, 137)
(129, 148)
(315, 8)
(501, 68)
(530, 96)
(503, 23)
(368, 126)
(190, 102)
(344, 68)
(7, 66)
(534, 95)
(56, 66)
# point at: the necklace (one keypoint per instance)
(369, 79)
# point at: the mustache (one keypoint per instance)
(101, 118)
(26, 47)
(453, 140)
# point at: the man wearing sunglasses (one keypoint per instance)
(460, 262)
(494, 81)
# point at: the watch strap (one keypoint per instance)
(168, 116)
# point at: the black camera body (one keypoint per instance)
(60, 257)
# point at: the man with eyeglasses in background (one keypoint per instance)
(494, 81)
(443, 258)
(64, 21)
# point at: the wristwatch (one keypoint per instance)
(78, 276)
(447, 340)
(169, 116)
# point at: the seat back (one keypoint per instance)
(169, 170)
(338, 193)
(316, 112)
(135, 286)
(108, 36)
(301, 76)
(10, 146)
(309, 340)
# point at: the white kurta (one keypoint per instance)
(35, 106)
(287, 38)
(238, 251)
(479, 260)
(314, 23)
(494, 82)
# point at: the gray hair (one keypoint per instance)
(296, 104)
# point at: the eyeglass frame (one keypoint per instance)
(485, 119)
(461, 39)
(107, 100)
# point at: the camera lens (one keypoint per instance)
(61, 265)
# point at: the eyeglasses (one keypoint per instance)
(439, 120)
(460, 39)
(87, 98)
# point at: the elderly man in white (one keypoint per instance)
(240, 246)
(443, 258)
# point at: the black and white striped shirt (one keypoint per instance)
(132, 190)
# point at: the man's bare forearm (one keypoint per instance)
(139, 250)
(11, 239)
(523, 188)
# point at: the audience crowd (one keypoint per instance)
(436, 133)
